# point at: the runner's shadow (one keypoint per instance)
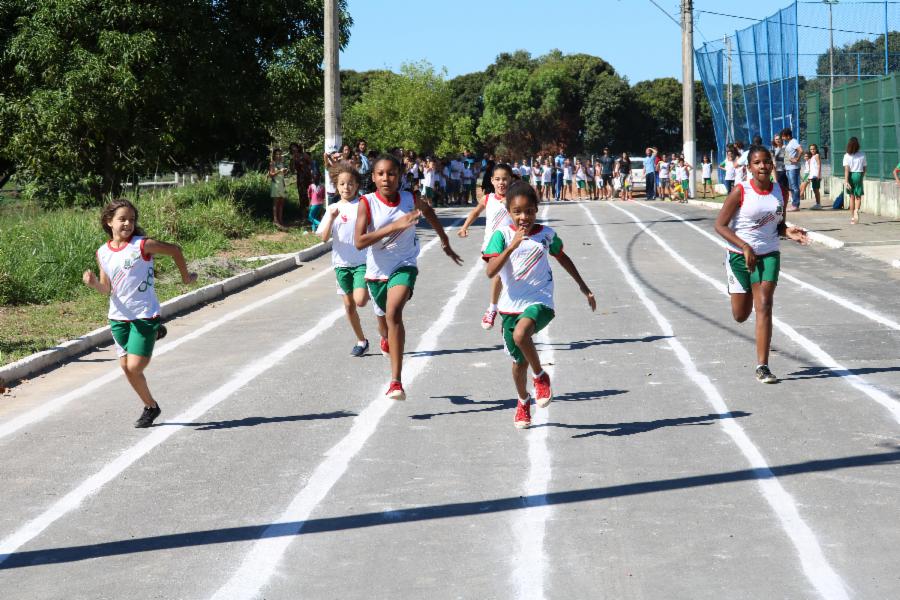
(602, 342)
(635, 427)
(454, 351)
(825, 372)
(253, 421)
(481, 406)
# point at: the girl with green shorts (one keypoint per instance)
(854, 174)
(752, 221)
(127, 276)
(349, 263)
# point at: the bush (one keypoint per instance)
(42, 256)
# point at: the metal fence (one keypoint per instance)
(759, 80)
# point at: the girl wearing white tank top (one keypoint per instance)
(386, 225)
(751, 221)
(127, 276)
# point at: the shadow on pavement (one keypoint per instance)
(492, 405)
(253, 421)
(454, 351)
(823, 372)
(602, 342)
(618, 429)
(250, 533)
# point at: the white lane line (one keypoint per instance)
(266, 553)
(815, 566)
(530, 524)
(46, 409)
(825, 359)
(848, 304)
(158, 435)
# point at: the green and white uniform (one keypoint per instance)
(133, 307)
(527, 280)
(349, 263)
(392, 260)
(756, 222)
(495, 217)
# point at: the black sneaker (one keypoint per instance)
(147, 417)
(360, 350)
(161, 332)
(764, 375)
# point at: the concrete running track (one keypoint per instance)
(662, 470)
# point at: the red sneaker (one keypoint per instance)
(395, 392)
(384, 347)
(523, 414)
(542, 392)
(487, 321)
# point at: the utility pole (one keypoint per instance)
(830, 4)
(332, 80)
(687, 77)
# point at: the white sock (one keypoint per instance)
(539, 374)
(362, 343)
(523, 400)
(492, 307)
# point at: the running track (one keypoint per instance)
(661, 470)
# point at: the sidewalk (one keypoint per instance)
(874, 237)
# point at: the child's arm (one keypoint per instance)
(723, 227)
(430, 216)
(102, 284)
(572, 270)
(495, 263)
(152, 247)
(324, 230)
(473, 214)
(365, 239)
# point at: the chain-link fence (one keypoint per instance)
(760, 80)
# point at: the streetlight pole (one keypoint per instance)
(687, 78)
(332, 80)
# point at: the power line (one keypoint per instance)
(663, 11)
(718, 14)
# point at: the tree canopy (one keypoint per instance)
(93, 91)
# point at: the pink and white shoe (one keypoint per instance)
(543, 394)
(487, 320)
(523, 414)
(395, 392)
(385, 349)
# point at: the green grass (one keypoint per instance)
(43, 254)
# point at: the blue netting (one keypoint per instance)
(777, 62)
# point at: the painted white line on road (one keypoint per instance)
(815, 566)
(46, 409)
(158, 435)
(266, 553)
(849, 305)
(530, 524)
(825, 359)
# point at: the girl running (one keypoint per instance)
(497, 218)
(518, 253)
(127, 276)
(349, 263)
(751, 221)
(386, 224)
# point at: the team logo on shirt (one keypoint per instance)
(528, 263)
(499, 218)
(390, 241)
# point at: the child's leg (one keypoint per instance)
(361, 297)
(763, 297)
(134, 366)
(522, 336)
(520, 378)
(353, 316)
(496, 288)
(397, 297)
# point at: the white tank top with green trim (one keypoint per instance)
(130, 272)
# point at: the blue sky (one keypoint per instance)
(632, 35)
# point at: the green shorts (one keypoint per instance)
(707, 181)
(135, 337)
(379, 289)
(429, 192)
(581, 183)
(740, 279)
(350, 278)
(855, 186)
(541, 314)
(816, 183)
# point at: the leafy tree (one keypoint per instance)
(104, 88)
(466, 94)
(509, 111)
(409, 110)
(606, 113)
(458, 135)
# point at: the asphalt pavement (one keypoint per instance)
(662, 469)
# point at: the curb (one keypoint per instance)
(48, 359)
(814, 236)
